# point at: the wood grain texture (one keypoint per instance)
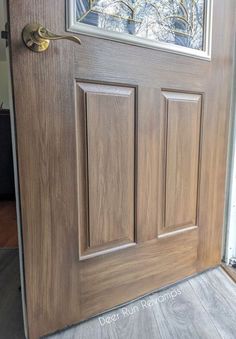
(217, 99)
(47, 169)
(8, 225)
(110, 121)
(175, 312)
(183, 120)
(113, 279)
(151, 157)
(165, 71)
(109, 150)
(47, 161)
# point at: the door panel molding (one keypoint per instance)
(183, 115)
(106, 146)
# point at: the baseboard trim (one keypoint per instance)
(230, 271)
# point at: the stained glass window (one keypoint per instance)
(180, 22)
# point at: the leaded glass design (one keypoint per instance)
(180, 22)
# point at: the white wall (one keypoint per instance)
(2, 27)
(231, 250)
(4, 97)
(230, 235)
(3, 64)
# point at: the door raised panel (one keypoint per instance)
(106, 176)
(183, 129)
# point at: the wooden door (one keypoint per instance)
(122, 160)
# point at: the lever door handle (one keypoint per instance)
(37, 38)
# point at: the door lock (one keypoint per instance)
(37, 38)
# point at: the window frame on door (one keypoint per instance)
(73, 26)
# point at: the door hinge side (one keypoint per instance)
(5, 34)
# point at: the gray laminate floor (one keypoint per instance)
(11, 322)
(200, 307)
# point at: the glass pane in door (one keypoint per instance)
(180, 22)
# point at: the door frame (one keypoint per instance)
(229, 231)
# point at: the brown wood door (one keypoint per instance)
(122, 160)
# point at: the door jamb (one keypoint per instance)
(229, 230)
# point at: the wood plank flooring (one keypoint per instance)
(8, 225)
(201, 307)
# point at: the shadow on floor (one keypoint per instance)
(11, 319)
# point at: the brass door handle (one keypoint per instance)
(37, 38)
